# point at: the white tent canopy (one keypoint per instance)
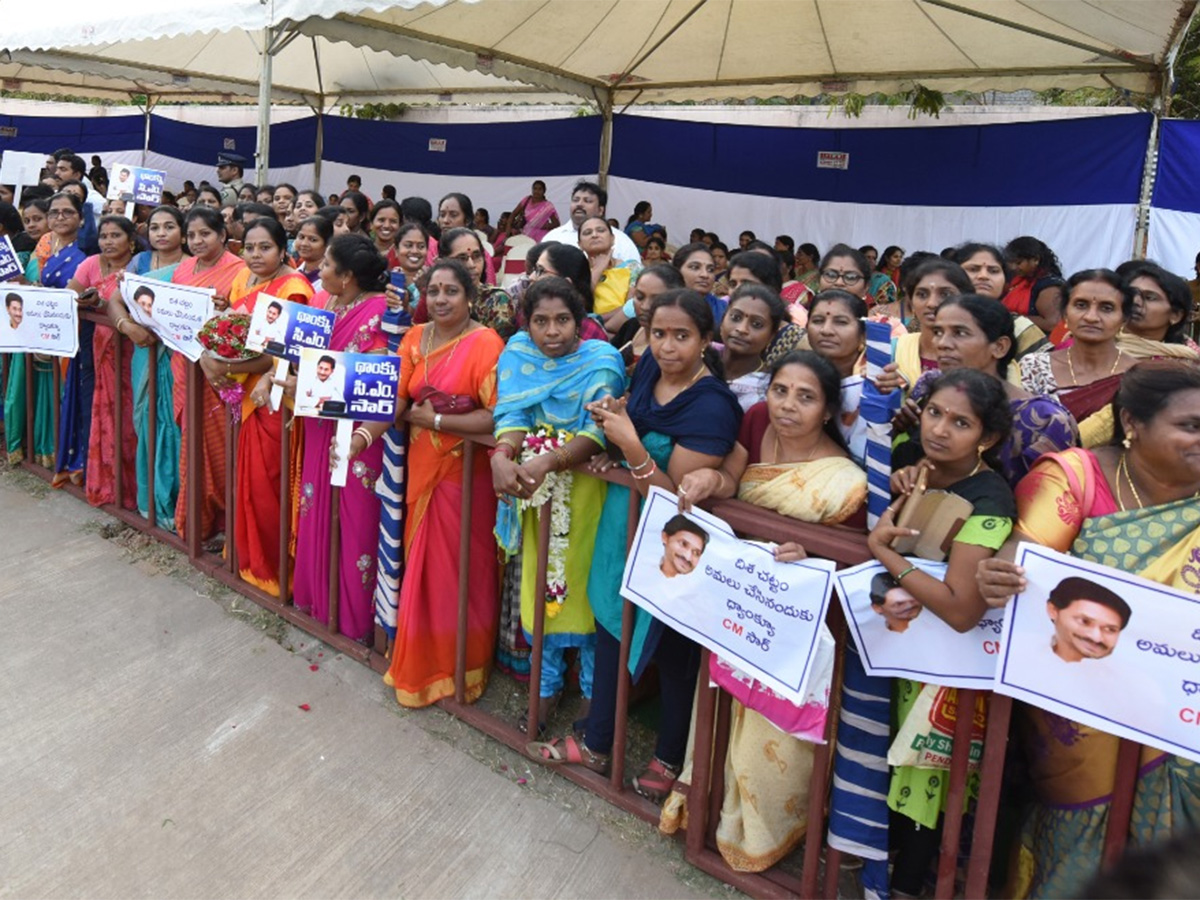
(613, 51)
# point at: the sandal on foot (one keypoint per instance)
(656, 782)
(546, 708)
(568, 751)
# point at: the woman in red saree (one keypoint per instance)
(352, 279)
(1085, 376)
(257, 472)
(448, 377)
(210, 265)
(101, 274)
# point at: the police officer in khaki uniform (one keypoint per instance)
(230, 167)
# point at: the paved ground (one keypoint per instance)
(153, 744)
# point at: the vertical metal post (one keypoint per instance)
(953, 816)
(285, 503)
(319, 150)
(118, 462)
(194, 454)
(702, 753)
(539, 617)
(30, 394)
(1141, 234)
(606, 136)
(56, 401)
(232, 432)
(991, 775)
(262, 151)
(464, 573)
(335, 562)
(151, 432)
(621, 724)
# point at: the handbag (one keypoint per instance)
(446, 404)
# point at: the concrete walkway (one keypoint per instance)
(154, 745)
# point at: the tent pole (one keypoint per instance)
(606, 134)
(1141, 234)
(319, 150)
(262, 151)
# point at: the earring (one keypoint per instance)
(1127, 442)
(981, 450)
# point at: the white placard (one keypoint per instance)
(899, 638)
(21, 168)
(1105, 648)
(691, 572)
(39, 320)
(174, 312)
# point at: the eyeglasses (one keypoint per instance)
(61, 214)
(469, 257)
(539, 271)
(845, 277)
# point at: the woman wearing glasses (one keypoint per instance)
(846, 269)
(493, 307)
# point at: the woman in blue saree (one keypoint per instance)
(164, 229)
(52, 264)
(547, 376)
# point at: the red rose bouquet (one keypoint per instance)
(224, 337)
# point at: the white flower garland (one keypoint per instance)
(555, 487)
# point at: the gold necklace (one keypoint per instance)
(1071, 367)
(433, 328)
(1123, 467)
(779, 451)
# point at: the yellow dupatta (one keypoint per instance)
(828, 491)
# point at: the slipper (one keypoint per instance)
(656, 782)
(568, 751)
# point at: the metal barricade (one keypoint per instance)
(843, 546)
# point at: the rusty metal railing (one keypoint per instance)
(844, 546)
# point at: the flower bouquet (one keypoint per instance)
(556, 487)
(223, 337)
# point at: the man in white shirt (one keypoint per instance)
(589, 199)
(274, 328)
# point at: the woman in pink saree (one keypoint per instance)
(353, 276)
(535, 215)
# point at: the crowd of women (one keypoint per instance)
(1066, 411)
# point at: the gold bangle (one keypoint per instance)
(121, 321)
(564, 458)
(362, 432)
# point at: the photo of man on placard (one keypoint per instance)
(14, 305)
(890, 600)
(1088, 619)
(274, 329)
(683, 545)
(327, 388)
(144, 298)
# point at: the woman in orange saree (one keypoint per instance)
(257, 472)
(448, 379)
(212, 266)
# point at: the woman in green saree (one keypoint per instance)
(1144, 486)
(164, 229)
